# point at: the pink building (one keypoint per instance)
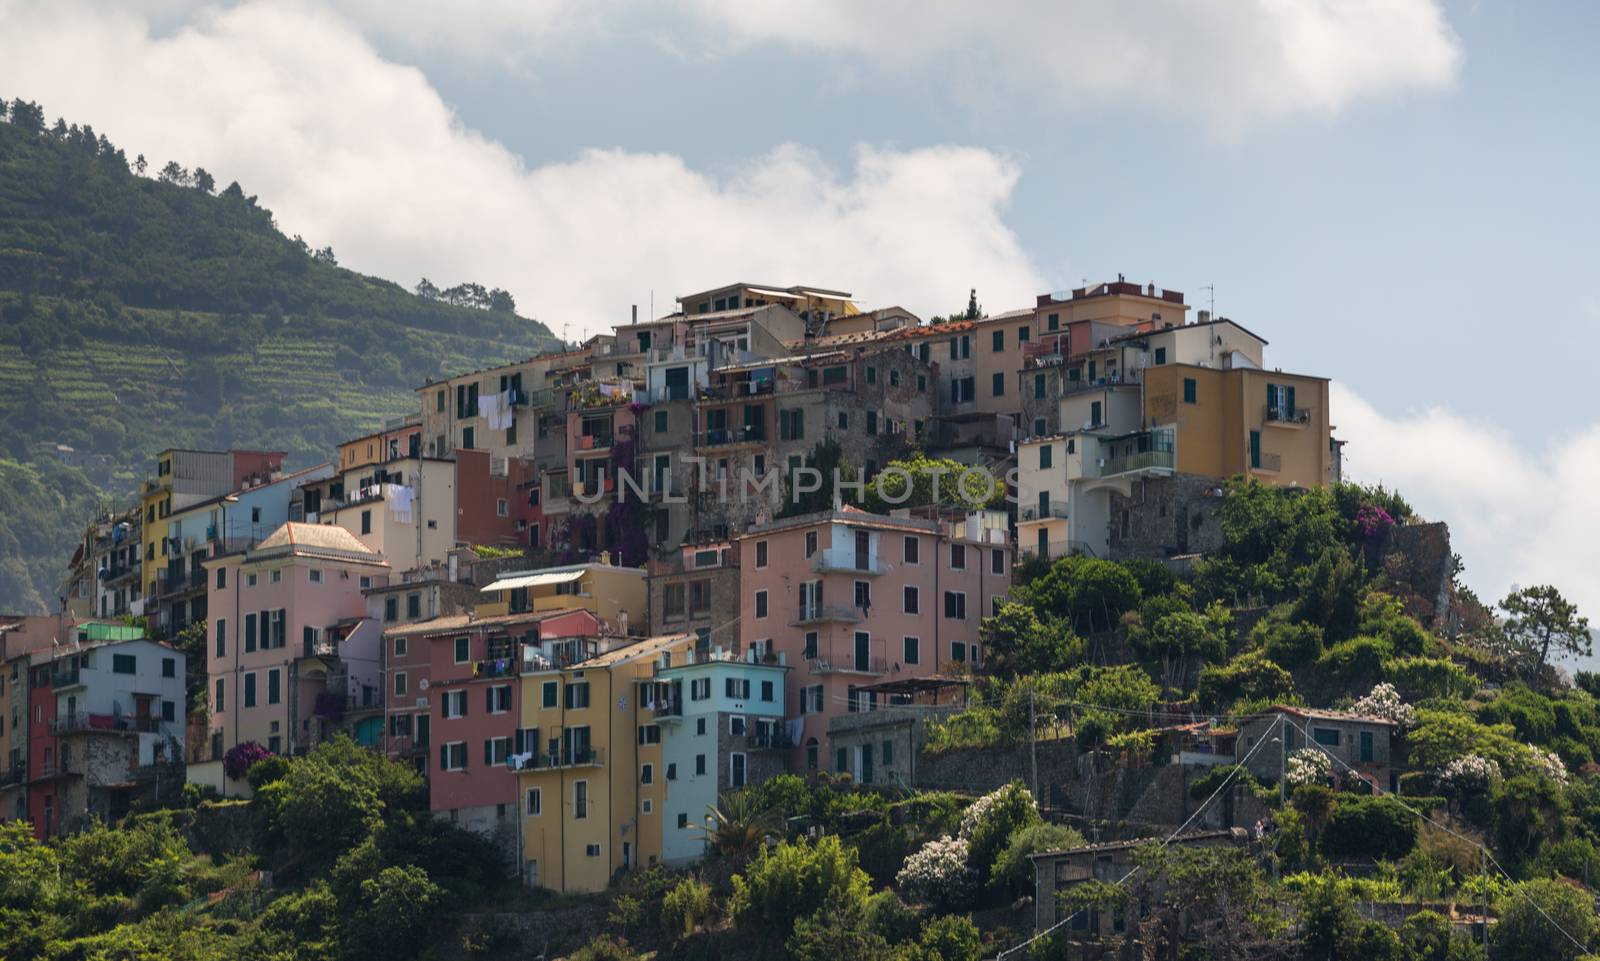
(291, 647)
(854, 599)
(454, 701)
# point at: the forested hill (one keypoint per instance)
(139, 312)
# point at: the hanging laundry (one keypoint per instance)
(398, 497)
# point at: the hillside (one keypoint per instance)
(138, 313)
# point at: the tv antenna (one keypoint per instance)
(1212, 303)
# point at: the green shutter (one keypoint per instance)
(1255, 448)
(1289, 402)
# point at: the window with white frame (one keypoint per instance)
(453, 704)
(453, 756)
(736, 725)
(736, 770)
(580, 801)
(498, 698)
(535, 804)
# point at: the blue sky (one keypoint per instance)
(1398, 194)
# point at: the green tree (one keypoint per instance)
(739, 825)
(332, 799)
(1013, 867)
(396, 912)
(920, 480)
(1379, 828)
(1543, 919)
(1090, 594)
(826, 458)
(835, 933)
(1539, 621)
(1017, 641)
(686, 907)
(992, 820)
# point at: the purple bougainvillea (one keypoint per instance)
(1373, 522)
(240, 757)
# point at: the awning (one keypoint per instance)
(534, 580)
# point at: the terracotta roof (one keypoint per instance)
(1318, 714)
(317, 540)
(453, 623)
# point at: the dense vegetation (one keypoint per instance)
(143, 312)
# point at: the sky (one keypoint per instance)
(1398, 194)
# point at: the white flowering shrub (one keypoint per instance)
(1384, 702)
(1307, 766)
(1549, 764)
(938, 873)
(979, 811)
(1470, 772)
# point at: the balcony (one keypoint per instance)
(874, 666)
(1267, 463)
(65, 674)
(495, 667)
(593, 442)
(105, 723)
(1035, 513)
(668, 708)
(847, 560)
(826, 613)
(1277, 416)
(776, 739)
(737, 390)
(1141, 461)
(583, 757)
(15, 775)
(726, 436)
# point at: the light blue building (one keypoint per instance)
(722, 729)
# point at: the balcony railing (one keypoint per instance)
(81, 721)
(718, 436)
(14, 775)
(593, 442)
(848, 560)
(1143, 460)
(495, 667)
(774, 740)
(585, 757)
(1296, 416)
(1035, 513)
(1272, 463)
(849, 665)
(822, 613)
(64, 676)
(737, 389)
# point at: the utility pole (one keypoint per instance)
(1033, 747)
(1483, 875)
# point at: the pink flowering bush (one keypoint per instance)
(1373, 521)
(239, 758)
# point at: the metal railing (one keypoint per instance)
(1275, 414)
(584, 757)
(1143, 460)
(495, 667)
(1034, 513)
(82, 721)
(821, 613)
(847, 559)
(718, 436)
(738, 389)
(849, 665)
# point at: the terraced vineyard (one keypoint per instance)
(137, 315)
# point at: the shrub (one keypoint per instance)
(1369, 827)
(1014, 869)
(1360, 658)
(939, 873)
(1427, 677)
(1384, 702)
(1289, 643)
(263, 772)
(793, 881)
(1525, 930)
(606, 948)
(241, 757)
(949, 938)
(686, 907)
(1308, 766)
(890, 918)
(988, 824)
(1251, 676)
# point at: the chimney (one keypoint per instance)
(636, 313)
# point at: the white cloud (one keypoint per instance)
(363, 154)
(1520, 507)
(1227, 64)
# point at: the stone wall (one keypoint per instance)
(1420, 567)
(1166, 516)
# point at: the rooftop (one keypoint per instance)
(1318, 714)
(328, 541)
(453, 623)
(632, 652)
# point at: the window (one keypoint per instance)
(810, 651)
(454, 704)
(497, 698)
(872, 422)
(250, 580)
(453, 756)
(958, 651)
(888, 752)
(841, 760)
(997, 385)
(922, 383)
(736, 725)
(699, 764)
(250, 689)
(997, 341)
(400, 646)
(958, 557)
(1094, 414)
(913, 651)
(124, 664)
(218, 702)
(315, 575)
(737, 688)
(535, 802)
(463, 646)
(391, 609)
(913, 547)
(955, 605)
(399, 683)
(1189, 390)
(1046, 456)
(222, 637)
(844, 420)
(913, 600)
(811, 699)
(649, 734)
(274, 686)
(577, 695)
(736, 770)
(761, 554)
(551, 693)
(1366, 749)
(700, 689)
(501, 509)
(413, 605)
(1161, 356)
(997, 561)
(1326, 736)
(646, 806)
(672, 600)
(761, 604)
(766, 690)
(699, 727)
(863, 595)
(366, 524)
(222, 578)
(811, 543)
(872, 374)
(683, 821)
(699, 596)
(496, 750)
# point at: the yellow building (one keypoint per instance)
(591, 794)
(617, 595)
(1268, 425)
